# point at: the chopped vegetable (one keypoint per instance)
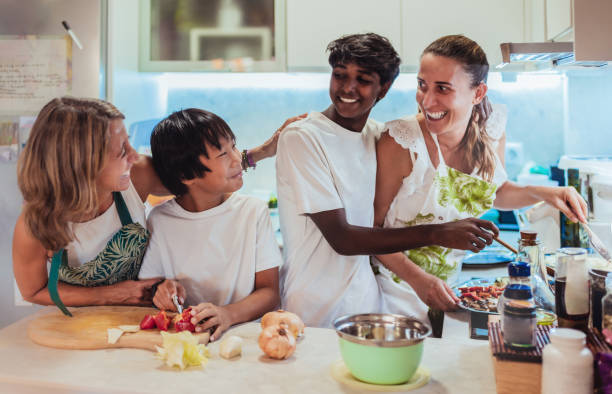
(114, 334)
(147, 323)
(162, 321)
(230, 347)
(130, 328)
(182, 350)
(182, 322)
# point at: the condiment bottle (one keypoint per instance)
(606, 307)
(567, 365)
(572, 288)
(530, 251)
(518, 315)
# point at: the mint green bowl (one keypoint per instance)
(381, 348)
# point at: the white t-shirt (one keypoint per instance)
(215, 253)
(91, 237)
(321, 166)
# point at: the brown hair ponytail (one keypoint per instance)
(476, 142)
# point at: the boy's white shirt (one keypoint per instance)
(214, 254)
(321, 166)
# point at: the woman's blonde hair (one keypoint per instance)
(58, 167)
(476, 142)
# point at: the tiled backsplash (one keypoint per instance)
(547, 112)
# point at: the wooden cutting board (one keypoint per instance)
(87, 329)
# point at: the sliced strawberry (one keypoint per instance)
(147, 323)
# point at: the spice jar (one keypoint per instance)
(518, 320)
(567, 364)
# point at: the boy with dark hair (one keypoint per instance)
(326, 175)
(215, 247)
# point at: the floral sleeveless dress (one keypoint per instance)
(433, 195)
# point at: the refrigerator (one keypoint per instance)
(36, 26)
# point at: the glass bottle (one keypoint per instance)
(606, 307)
(518, 316)
(572, 288)
(530, 251)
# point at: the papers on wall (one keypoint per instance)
(33, 70)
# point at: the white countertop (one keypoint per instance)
(457, 365)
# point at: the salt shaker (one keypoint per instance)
(567, 364)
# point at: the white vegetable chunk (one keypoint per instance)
(230, 347)
(114, 334)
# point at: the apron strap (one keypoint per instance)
(58, 258)
(122, 210)
(61, 257)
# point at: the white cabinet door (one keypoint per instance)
(312, 24)
(488, 22)
(558, 18)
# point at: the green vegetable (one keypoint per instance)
(182, 350)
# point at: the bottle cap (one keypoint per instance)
(519, 268)
(567, 336)
(529, 235)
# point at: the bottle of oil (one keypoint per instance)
(530, 251)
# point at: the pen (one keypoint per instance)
(74, 37)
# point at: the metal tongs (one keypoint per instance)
(179, 307)
(597, 244)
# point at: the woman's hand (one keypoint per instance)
(215, 316)
(164, 293)
(466, 234)
(132, 292)
(268, 148)
(434, 292)
(567, 200)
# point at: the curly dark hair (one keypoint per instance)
(368, 50)
(178, 141)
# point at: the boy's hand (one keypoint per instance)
(467, 234)
(163, 296)
(214, 315)
(268, 148)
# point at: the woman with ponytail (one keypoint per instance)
(444, 164)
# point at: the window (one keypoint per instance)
(212, 35)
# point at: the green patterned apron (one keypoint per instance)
(120, 259)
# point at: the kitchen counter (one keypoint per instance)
(457, 365)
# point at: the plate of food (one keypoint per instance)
(481, 295)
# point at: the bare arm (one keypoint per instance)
(393, 165)
(268, 148)
(347, 239)
(431, 290)
(145, 180)
(501, 149)
(265, 297)
(565, 199)
(30, 270)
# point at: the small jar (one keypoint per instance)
(518, 312)
(567, 364)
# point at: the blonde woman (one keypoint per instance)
(83, 187)
(445, 164)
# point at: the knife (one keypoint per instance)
(179, 307)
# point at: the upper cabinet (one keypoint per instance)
(488, 22)
(410, 25)
(559, 20)
(209, 35)
(311, 25)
